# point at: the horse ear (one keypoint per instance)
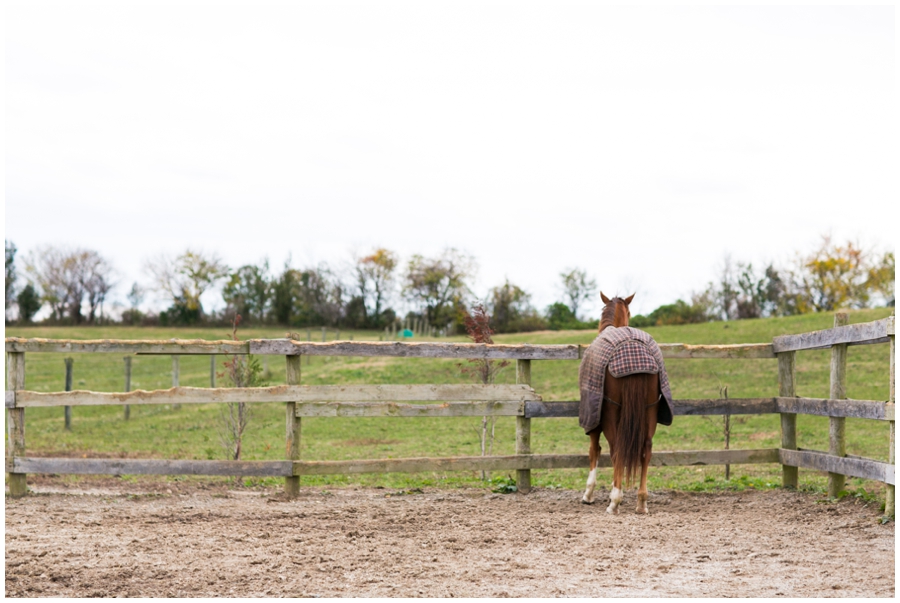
(604, 298)
(629, 298)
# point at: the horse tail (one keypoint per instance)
(637, 392)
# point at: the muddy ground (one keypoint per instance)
(111, 538)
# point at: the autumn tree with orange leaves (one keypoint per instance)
(842, 276)
(374, 281)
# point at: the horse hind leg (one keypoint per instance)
(594, 454)
(615, 499)
(616, 496)
(643, 494)
(610, 421)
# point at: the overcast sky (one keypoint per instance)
(639, 143)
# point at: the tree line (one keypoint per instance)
(374, 290)
(365, 293)
(829, 277)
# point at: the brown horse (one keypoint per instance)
(627, 419)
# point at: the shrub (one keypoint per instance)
(560, 317)
(132, 316)
(679, 313)
(529, 322)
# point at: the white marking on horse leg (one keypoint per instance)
(615, 499)
(588, 497)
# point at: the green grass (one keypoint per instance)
(192, 431)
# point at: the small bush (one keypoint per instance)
(504, 485)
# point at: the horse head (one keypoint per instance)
(615, 311)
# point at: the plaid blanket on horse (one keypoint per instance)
(624, 351)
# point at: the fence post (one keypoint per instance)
(523, 430)
(175, 371)
(727, 434)
(292, 442)
(15, 422)
(889, 492)
(67, 410)
(127, 360)
(837, 444)
(212, 371)
(786, 389)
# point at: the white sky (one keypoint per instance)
(639, 143)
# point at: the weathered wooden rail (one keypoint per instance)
(518, 400)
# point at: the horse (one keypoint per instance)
(628, 419)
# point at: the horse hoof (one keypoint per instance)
(640, 511)
(612, 511)
(585, 501)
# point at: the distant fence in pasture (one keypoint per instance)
(518, 400)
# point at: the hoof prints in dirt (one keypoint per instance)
(445, 543)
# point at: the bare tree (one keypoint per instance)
(728, 291)
(135, 296)
(478, 328)
(183, 279)
(54, 274)
(67, 276)
(241, 371)
(578, 288)
(96, 279)
(10, 249)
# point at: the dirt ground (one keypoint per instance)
(110, 538)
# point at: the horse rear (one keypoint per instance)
(629, 428)
(628, 419)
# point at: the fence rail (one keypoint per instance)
(456, 400)
(278, 393)
(405, 465)
(866, 333)
(396, 349)
(518, 400)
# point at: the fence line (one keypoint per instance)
(516, 462)
(403, 349)
(875, 332)
(459, 400)
(338, 400)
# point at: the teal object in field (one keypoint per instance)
(406, 333)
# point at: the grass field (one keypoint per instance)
(192, 431)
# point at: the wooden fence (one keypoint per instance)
(518, 400)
